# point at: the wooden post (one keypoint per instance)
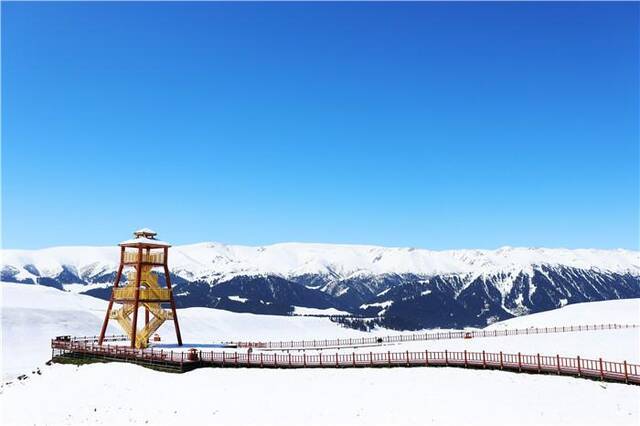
(261, 362)
(484, 361)
(626, 374)
(446, 357)
(538, 356)
(579, 371)
(320, 359)
(601, 371)
(115, 285)
(465, 358)
(501, 363)
(558, 363)
(519, 362)
(371, 358)
(407, 357)
(389, 358)
(134, 325)
(353, 358)
(426, 358)
(173, 302)
(304, 358)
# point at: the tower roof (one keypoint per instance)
(144, 237)
(145, 232)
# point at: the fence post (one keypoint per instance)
(353, 358)
(601, 372)
(519, 362)
(426, 357)
(320, 359)
(501, 363)
(223, 357)
(579, 371)
(626, 374)
(446, 357)
(407, 357)
(538, 362)
(465, 357)
(304, 358)
(389, 358)
(558, 363)
(289, 359)
(336, 359)
(484, 361)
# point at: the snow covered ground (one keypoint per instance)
(32, 315)
(118, 393)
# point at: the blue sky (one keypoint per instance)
(436, 125)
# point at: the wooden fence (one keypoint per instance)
(182, 361)
(443, 335)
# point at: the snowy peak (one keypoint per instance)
(403, 288)
(214, 260)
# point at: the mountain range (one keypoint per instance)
(401, 288)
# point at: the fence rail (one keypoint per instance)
(132, 257)
(444, 335)
(556, 364)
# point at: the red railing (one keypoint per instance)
(599, 369)
(443, 335)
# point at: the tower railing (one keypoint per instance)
(132, 257)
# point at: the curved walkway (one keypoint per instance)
(181, 361)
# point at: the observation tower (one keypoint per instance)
(141, 255)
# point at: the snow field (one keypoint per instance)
(114, 394)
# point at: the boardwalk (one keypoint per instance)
(179, 361)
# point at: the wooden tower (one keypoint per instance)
(141, 255)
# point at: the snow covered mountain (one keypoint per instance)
(403, 288)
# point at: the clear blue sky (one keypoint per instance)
(435, 125)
